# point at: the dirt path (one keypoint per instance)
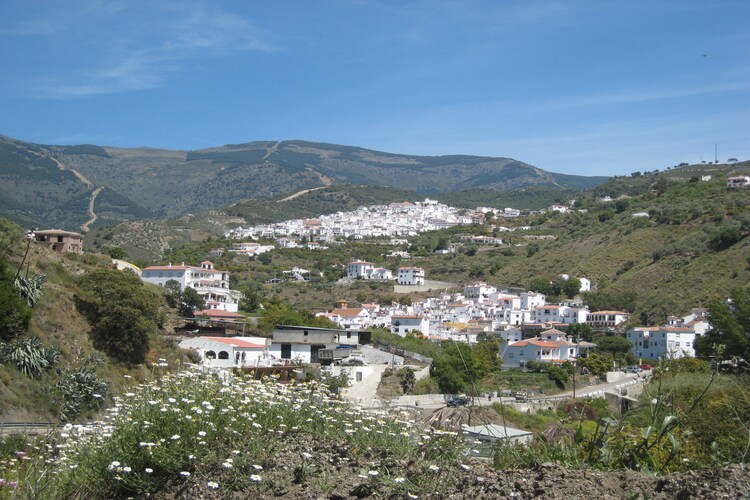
(78, 174)
(91, 213)
(327, 181)
(272, 150)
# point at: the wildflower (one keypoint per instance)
(126, 469)
(175, 437)
(399, 480)
(434, 468)
(185, 473)
(114, 465)
(149, 470)
(465, 467)
(255, 478)
(257, 467)
(372, 473)
(212, 485)
(412, 496)
(202, 433)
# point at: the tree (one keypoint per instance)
(123, 313)
(173, 293)
(455, 368)
(15, 313)
(408, 379)
(729, 335)
(724, 237)
(117, 253)
(613, 345)
(570, 287)
(190, 302)
(581, 331)
(596, 364)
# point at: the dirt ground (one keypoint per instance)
(333, 473)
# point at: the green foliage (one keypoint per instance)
(408, 380)
(117, 253)
(613, 345)
(729, 335)
(276, 313)
(596, 364)
(611, 300)
(80, 389)
(15, 313)
(29, 356)
(724, 237)
(123, 313)
(684, 365)
(30, 287)
(190, 302)
(456, 368)
(11, 236)
(581, 331)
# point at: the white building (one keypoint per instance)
(739, 181)
(410, 276)
(230, 352)
(585, 285)
(479, 290)
(606, 319)
(406, 323)
(359, 269)
(550, 346)
(662, 342)
(211, 284)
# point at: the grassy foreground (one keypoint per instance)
(199, 434)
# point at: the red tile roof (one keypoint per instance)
(236, 342)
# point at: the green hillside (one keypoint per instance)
(52, 185)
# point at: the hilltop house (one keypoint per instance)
(359, 269)
(60, 241)
(211, 284)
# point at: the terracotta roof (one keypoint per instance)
(406, 316)
(347, 312)
(236, 342)
(218, 313)
(608, 312)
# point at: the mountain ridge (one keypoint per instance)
(158, 183)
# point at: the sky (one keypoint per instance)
(589, 87)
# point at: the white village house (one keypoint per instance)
(226, 352)
(662, 342)
(211, 284)
(550, 346)
(410, 276)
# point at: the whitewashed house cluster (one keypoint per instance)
(463, 316)
(393, 220)
(676, 339)
(211, 284)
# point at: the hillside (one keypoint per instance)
(689, 250)
(61, 326)
(52, 185)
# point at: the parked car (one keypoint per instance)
(646, 367)
(633, 369)
(458, 401)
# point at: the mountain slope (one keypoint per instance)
(52, 185)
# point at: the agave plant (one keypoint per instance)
(29, 356)
(30, 287)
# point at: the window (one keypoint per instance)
(210, 355)
(286, 351)
(223, 355)
(59, 239)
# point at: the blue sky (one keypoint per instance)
(593, 87)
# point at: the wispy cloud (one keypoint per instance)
(631, 97)
(142, 50)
